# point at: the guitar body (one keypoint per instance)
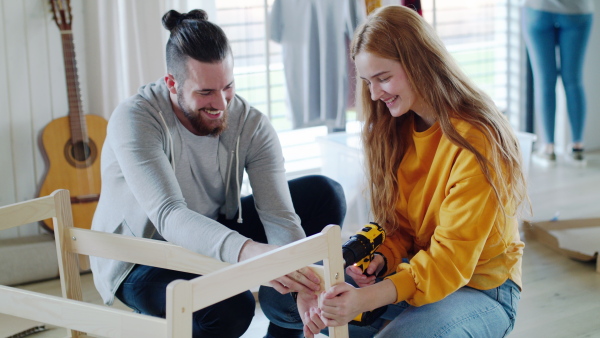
(74, 167)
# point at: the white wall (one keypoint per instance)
(592, 85)
(32, 93)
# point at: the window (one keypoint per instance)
(258, 66)
(483, 36)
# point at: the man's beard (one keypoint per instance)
(201, 124)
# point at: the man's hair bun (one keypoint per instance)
(173, 18)
(193, 36)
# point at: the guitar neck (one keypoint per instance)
(76, 118)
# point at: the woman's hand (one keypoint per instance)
(363, 280)
(340, 304)
(343, 302)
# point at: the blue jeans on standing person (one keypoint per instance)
(467, 312)
(544, 32)
(318, 201)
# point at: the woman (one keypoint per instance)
(564, 25)
(446, 182)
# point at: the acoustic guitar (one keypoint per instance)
(72, 144)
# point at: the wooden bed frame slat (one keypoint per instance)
(219, 280)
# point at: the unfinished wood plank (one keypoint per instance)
(334, 268)
(141, 251)
(94, 319)
(268, 266)
(179, 309)
(68, 262)
(26, 212)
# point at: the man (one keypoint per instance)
(172, 167)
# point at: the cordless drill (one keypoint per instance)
(359, 250)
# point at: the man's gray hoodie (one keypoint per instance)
(141, 196)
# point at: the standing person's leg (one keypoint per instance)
(539, 34)
(144, 290)
(464, 313)
(573, 39)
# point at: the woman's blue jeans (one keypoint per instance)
(465, 313)
(544, 33)
(318, 201)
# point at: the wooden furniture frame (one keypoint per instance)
(219, 281)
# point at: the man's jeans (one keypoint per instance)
(318, 201)
(144, 290)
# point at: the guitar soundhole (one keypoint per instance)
(80, 151)
(81, 154)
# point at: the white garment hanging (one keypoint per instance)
(314, 35)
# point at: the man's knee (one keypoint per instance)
(336, 196)
(329, 189)
(279, 309)
(228, 318)
(327, 185)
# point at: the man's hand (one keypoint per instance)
(301, 280)
(310, 313)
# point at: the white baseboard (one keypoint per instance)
(28, 259)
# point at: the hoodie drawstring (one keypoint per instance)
(170, 140)
(237, 179)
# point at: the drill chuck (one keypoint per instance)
(355, 249)
(359, 249)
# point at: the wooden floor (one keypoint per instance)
(561, 297)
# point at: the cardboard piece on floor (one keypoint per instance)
(11, 326)
(577, 238)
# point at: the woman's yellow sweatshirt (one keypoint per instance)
(452, 228)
